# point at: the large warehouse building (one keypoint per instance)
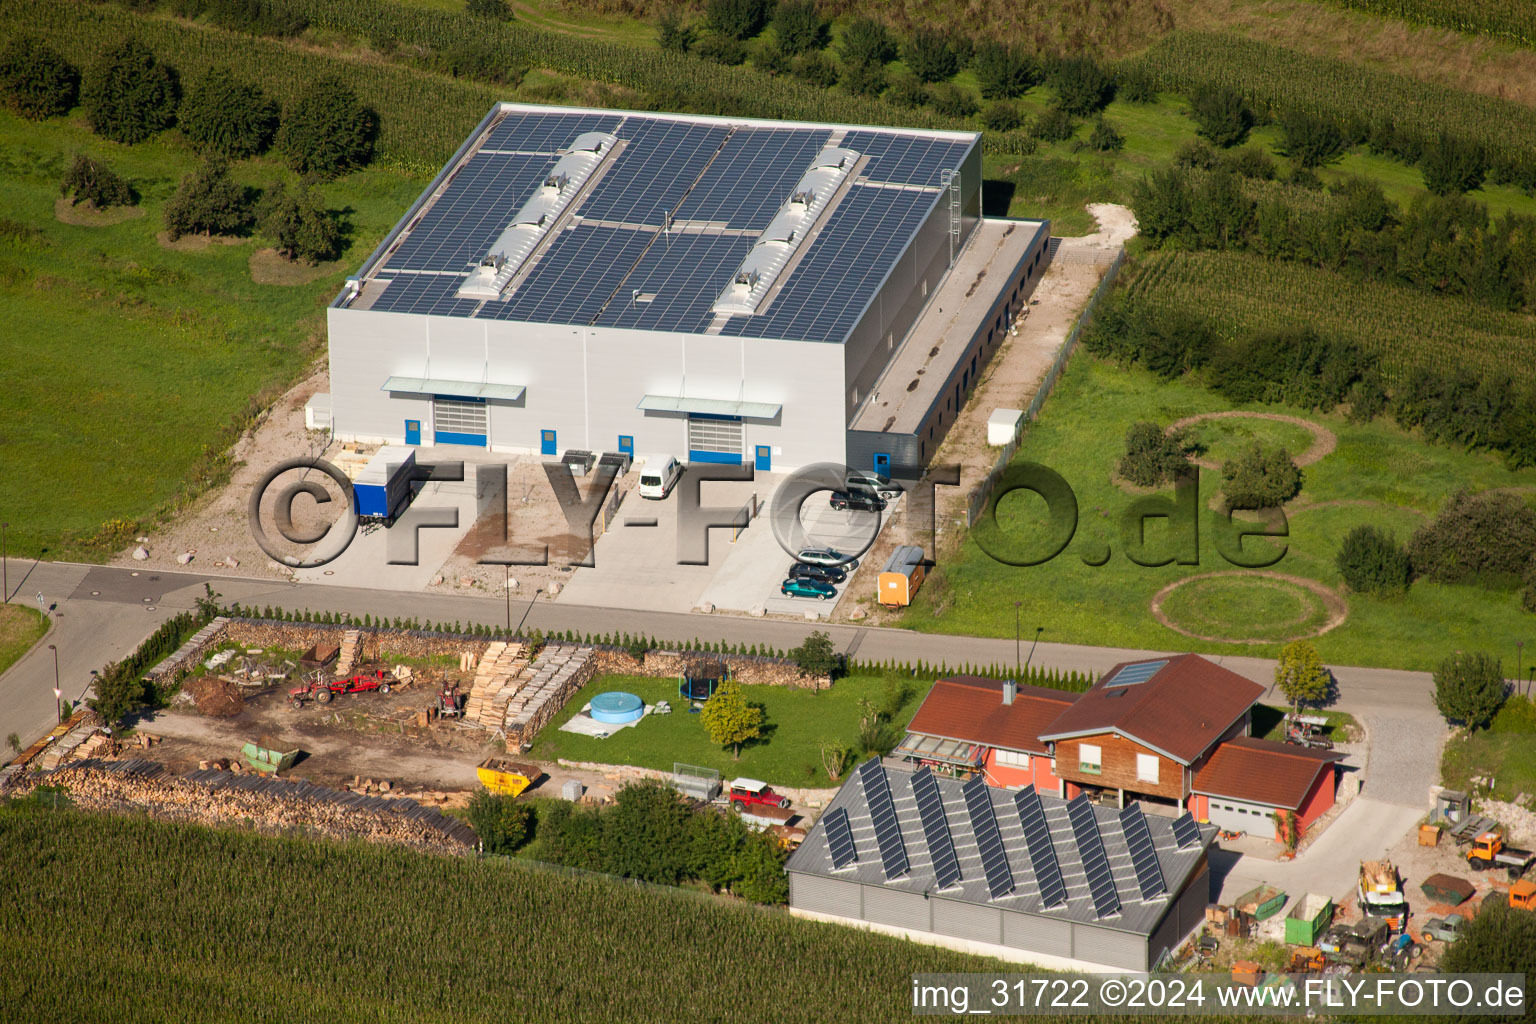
(723, 290)
(1011, 874)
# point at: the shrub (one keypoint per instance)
(736, 19)
(721, 49)
(672, 33)
(1002, 71)
(478, 59)
(864, 79)
(1259, 477)
(770, 58)
(1482, 538)
(1304, 178)
(1053, 125)
(1082, 86)
(930, 56)
(816, 69)
(816, 655)
(1469, 688)
(228, 116)
(1153, 455)
(1310, 140)
(1105, 137)
(502, 823)
(1294, 365)
(799, 26)
(1135, 85)
(1221, 115)
(907, 91)
(327, 132)
(1452, 166)
(256, 17)
(91, 181)
(1195, 154)
(35, 81)
(1367, 398)
(1251, 162)
(129, 95)
(1371, 561)
(866, 41)
(208, 202)
(1002, 116)
(498, 10)
(952, 101)
(299, 228)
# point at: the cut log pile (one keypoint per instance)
(351, 649)
(559, 671)
(502, 671)
(213, 797)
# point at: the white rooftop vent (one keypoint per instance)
(787, 231)
(562, 185)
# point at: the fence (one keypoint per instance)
(981, 494)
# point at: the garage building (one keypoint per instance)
(1012, 874)
(719, 289)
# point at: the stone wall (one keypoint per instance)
(749, 670)
(402, 643)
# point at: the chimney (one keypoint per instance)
(1010, 690)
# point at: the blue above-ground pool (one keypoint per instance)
(617, 707)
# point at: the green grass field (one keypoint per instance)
(1269, 724)
(1378, 474)
(132, 364)
(21, 626)
(1505, 752)
(788, 754)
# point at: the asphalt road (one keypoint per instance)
(102, 613)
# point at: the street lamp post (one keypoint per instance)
(58, 692)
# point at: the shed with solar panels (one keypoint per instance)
(1008, 873)
(720, 289)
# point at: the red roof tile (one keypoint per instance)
(971, 709)
(1263, 772)
(1180, 710)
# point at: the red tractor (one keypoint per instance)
(751, 792)
(323, 690)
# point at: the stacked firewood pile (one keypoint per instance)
(499, 675)
(213, 797)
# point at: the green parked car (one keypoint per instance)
(807, 588)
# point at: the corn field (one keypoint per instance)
(125, 919)
(1240, 292)
(1353, 96)
(1514, 20)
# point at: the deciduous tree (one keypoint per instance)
(1221, 115)
(328, 131)
(209, 202)
(91, 181)
(729, 719)
(226, 116)
(35, 81)
(299, 227)
(799, 26)
(1469, 688)
(930, 56)
(130, 95)
(1372, 561)
(1300, 675)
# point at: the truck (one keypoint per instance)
(1489, 850)
(1381, 893)
(1444, 929)
(383, 487)
(754, 792)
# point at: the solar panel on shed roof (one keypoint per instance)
(906, 159)
(753, 176)
(472, 212)
(432, 294)
(654, 171)
(930, 810)
(994, 858)
(840, 839)
(682, 273)
(1149, 874)
(1042, 851)
(1137, 672)
(1090, 847)
(541, 132)
(1185, 832)
(576, 277)
(882, 812)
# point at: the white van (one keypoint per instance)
(658, 476)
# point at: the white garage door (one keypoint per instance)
(1238, 817)
(459, 422)
(714, 439)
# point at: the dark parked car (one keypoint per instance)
(825, 573)
(861, 501)
(861, 480)
(808, 588)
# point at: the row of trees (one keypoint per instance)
(1444, 244)
(1486, 539)
(1298, 366)
(1256, 477)
(129, 95)
(1450, 165)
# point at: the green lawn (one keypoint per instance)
(1378, 474)
(131, 364)
(21, 626)
(1505, 751)
(798, 721)
(1268, 723)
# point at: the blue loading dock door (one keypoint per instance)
(715, 439)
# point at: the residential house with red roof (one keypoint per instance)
(1171, 731)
